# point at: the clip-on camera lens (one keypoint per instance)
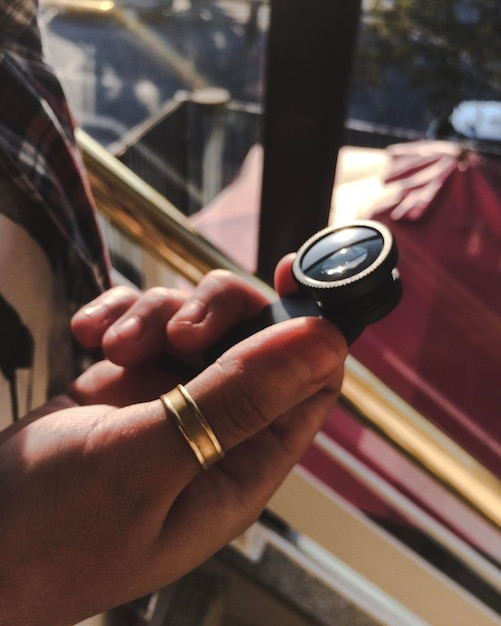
(350, 272)
(345, 274)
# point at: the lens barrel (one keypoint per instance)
(350, 272)
(346, 274)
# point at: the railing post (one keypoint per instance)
(309, 58)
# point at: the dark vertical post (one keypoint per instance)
(309, 58)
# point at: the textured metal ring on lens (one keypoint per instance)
(387, 256)
(361, 296)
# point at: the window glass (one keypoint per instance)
(174, 88)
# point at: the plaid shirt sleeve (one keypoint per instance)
(38, 154)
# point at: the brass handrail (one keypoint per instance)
(149, 219)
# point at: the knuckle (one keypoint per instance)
(219, 281)
(156, 294)
(158, 300)
(219, 275)
(242, 409)
(122, 292)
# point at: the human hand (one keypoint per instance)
(145, 328)
(113, 503)
(133, 326)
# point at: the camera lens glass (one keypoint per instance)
(342, 254)
(345, 274)
(350, 272)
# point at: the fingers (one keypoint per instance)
(132, 326)
(284, 281)
(141, 332)
(219, 302)
(129, 325)
(91, 322)
(108, 383)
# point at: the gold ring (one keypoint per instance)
(193, 426)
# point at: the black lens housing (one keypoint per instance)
(345, 274)
(350, 272)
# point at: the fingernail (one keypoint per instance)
(131, 328)
(94, 310)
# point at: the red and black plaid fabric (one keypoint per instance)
(39, 156)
